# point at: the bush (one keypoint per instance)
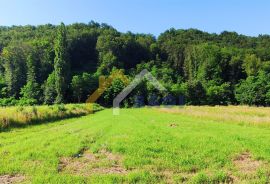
(8, 102)
(219, 95)
(27, 101)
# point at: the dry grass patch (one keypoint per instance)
(10, 179)
(21, 116)
(233, 114)
(246, 165)
(89, 163)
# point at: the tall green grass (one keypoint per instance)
(21, 116)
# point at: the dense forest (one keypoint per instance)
(50, 64)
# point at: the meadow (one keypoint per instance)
(147, 145)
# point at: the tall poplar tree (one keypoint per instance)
(61, 65)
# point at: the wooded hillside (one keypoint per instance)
(61, 64)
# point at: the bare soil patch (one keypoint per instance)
(88, 163)
(10, 179)
(246, 165)
(168, 176)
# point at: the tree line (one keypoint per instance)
(50, 64)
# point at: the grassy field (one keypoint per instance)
(188, 145)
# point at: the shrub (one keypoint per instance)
(8, 102)
(219, 94)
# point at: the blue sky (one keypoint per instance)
(250, 17)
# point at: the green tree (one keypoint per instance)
(50, 92)
(219, 94)
(109, 49)
(109, 61)
(15, 70)
(3, 88)
(195, 93)
(82, 86)
(203, 62)
(252, 64)
(77, 85)
(111, 92)
(61, 65)
(32, 67)
(31, 90)
(254, 90)
(30, 93)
